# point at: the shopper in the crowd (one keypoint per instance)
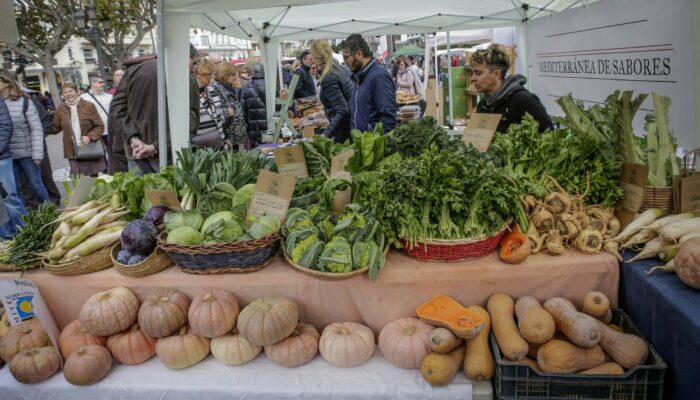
(255, 105)
(287, 74)
(101, 100)
(504, 95)
(48, 102)
(27, 140)
(212, 112)
(374, 100)
(406, 81)
(305, 86)
(215, 58)
(117, 77)
(228, 85)
(10, 199)
(336, 91)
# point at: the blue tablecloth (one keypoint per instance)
(667, 312)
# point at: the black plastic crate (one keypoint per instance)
(644, 382)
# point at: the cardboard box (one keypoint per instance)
(431, 83)
(430, 99)
(459, 78)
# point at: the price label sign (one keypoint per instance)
(633, 181)
(290, 161)
(273, 192)
(480, 130)
(164, 198)
(308, 132)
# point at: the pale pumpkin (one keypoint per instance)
(269, 320)
(233, 349)
(563, 357)
(87, 365)
(214, 313)
(183, 349)
(132, 346)
(440, 369)
(296, 350)
(23, 336)
(164, 313)
(478, 362)
(74, 336)
(4, 324)
(626, 349)
(405, 342)
(35, 365)
(110, 312)
(446, 312)
(535, 324)
(346, 344)
(501, 309)
(443, 341)
(581, 329)
(687, 263)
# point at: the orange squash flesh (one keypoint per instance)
(515, 246)
(446, 312)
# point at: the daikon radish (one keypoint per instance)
(661, 222)
(674, 231)
(651, 249)
(642, 220)
(670, 266)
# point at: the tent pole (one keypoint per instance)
(426, 68)
(437, 82)
(450, 123)
(160, 60)
(280, 53)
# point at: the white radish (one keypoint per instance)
(640, 237)
(651, 249)
(661, 222)
(673, 231)
(109, 225)
(85, 216)
(668, 254)
(688, 236)
(87, 229)
(114, 216)
(642, 220)
(94, 243)
(670, 266)
(70, 214)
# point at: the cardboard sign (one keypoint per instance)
(273, 192)
(22, 301)
(687, 193)
(633, 181)
(165, 198)
(81, 191)
(338, 164)
(480, 130)
(308, 132)
(290, 161)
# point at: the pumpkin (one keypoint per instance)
(87, 365)
(269, 320)
(214, 313)
(609, 368)
(578, 327)
(182, 350)
(515, 246)
(4, 324)
(346, 344)
(443, 341)
(35, 365)
(446, 312)
(74, 336)
(23, 336)
(298, 349)
(501, 309)
(687, 263)
(164, 313)
(597, 305)
(563, 357)
(132, 346)
(536, 325)
(405, 342)
(110, 312)
(627, 350)
(440, 369)
(478, 363)
(233, 349)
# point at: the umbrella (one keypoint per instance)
(409, 50)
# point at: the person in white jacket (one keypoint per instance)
(101, 100)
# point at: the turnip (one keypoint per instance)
(642, 220)
(612, 248)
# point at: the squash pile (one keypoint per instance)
(28, 350)
(556, 338)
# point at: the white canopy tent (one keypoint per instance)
(272, 21)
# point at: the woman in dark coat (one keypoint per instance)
(255, 109)
(336, 91)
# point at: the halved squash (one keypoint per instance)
(446, 312)
(515, 246)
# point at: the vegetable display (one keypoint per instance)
(32, 238)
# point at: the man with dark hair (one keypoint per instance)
(506, 96)
(305, 86)
(374, 99)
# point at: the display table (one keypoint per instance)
(401, 287)
(259, 379)
(667, 312)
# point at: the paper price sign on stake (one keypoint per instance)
(165, 198)
(338, 164)
(480, 130)
(633, 181)
(290, 161)
(273, 192)
(308, 132)
(81, 191)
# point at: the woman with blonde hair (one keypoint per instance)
(212, 114)
(336, 91)
(227, 84)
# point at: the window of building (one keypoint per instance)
(142, 51)
(205, 40)
(89, 56)
(70, 54)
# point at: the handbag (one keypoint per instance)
(92, 151)
(208, 140)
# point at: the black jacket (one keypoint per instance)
(513, 101)
(255, 110)
(5, 130)
(305, 86)
(374, 100)
(336, 92)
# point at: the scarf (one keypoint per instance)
(75, 121)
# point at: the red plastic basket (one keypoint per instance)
(455, 250)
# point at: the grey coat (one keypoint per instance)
(27, 132)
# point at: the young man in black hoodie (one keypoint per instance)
(506, 96)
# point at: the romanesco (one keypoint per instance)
(300, 249)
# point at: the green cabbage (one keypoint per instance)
(242, 200)
(223, 231)
(189, 218)
(263, 226)
(222, 215)
(184, 235)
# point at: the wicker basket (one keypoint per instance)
(329, 276)
(156, 262)
(658, 197)
(14, 268)
(223, 258)
(96, 261)
(454, 250)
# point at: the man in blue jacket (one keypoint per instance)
(374, 99)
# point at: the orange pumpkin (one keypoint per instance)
(132, 346)
(74, 335)
(24, 336)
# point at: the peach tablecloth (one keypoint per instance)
(402, 285)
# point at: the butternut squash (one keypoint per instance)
(478, 363)
(563, 357)
(443, 341)
(501, 309)
(446, 312)
(609, 368)
(578, 327)
(536, 325)
(597, 305)
(627, 350)
(616, 328)
(531, 363)
(515, 246)
(440, 369)
(532, 351)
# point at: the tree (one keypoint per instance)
(43, 31)
(127, 18)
